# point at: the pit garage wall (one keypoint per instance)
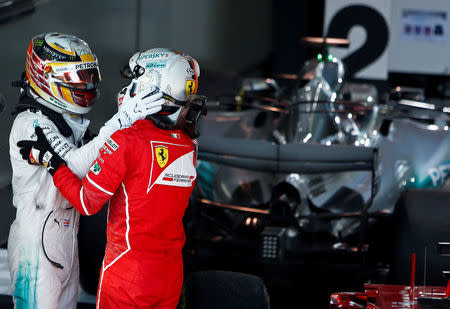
(220, 34)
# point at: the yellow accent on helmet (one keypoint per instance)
(66, 94)
(87, 57)
(68, 52)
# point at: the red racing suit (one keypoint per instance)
(147, 174)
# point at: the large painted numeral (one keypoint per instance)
(376, 29)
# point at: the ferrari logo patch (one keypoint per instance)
(34, 153)
(162, 155)
(190, 87)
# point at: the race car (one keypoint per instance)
(314, 174)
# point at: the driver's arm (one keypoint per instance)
(104, 178)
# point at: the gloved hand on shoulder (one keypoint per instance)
(40, 152)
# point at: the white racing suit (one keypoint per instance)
(42, 244)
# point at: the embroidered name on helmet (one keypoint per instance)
(112, 144)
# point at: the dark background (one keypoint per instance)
(230, 39)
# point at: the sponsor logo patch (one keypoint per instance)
(86, 65)
(178, 178)
(95, 168)
(38, 42)
(53, 53)
(34, 153)
(66, 222)
(190, 87)
(153, 56)
(58, 102)
(162, 155)
(112, 144)
(79, 66)
(105, 150)
(439, 174)
(46, 158)
(156, 65)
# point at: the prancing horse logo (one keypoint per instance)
(162, 155)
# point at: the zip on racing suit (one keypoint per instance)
(147, 174)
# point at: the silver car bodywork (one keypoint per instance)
(412, 146)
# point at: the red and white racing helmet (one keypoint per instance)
(62, 70)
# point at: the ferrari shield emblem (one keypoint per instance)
(162, 155)
(190, 87)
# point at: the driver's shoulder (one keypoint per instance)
(26, 121)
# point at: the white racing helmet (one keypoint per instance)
(62, 72)
(176, 76)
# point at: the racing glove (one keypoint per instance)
(40, 152)
(133, 107)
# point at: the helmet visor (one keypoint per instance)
(82, 79)
(82, 85)
(80, 97)
(84, 98)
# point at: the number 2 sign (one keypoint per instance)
(366, 25)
